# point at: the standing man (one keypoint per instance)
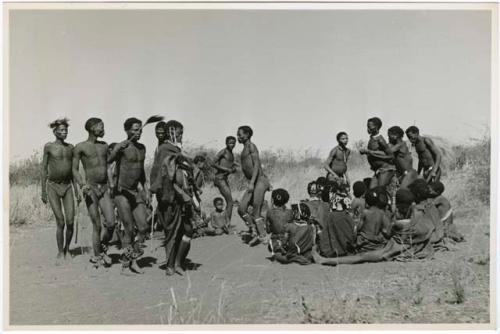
(429, 157)
(175, 183)
(257, 186)
(224, 165)
(95, 187)
(57, 179)
(160, 154)
(131, 195)
(381, 164)
(402, 157)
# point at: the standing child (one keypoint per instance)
(225, 165)
(336, 164)
(445, 211)
(299, 237)
(277, 218)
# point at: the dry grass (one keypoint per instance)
(467, 170)
(26, 207)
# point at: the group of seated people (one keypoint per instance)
(330, 228)
(338, 225)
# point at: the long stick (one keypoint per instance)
(77, 215)
(152, 226)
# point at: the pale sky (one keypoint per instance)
(296, 77)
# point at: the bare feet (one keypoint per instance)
(254, 242)
(59, 258)
(134, 267)
(318, 258)
(179, 271)
(106, 259)
(169, 271)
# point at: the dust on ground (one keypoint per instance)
(233, 283)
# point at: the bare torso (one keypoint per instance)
(247, 163)
(338, 162)
(402, 158)
(425, 156)
(377, 143)
(94, 160)
(372, 221)
(219, 219)
(131, 164)
(226, 160)
(59, 160)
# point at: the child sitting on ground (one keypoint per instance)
(374, 226)
(219, 222)
(277, 218)
(320, 186)
(445, 211)
(299, 237)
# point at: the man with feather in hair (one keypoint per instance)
(130, 193)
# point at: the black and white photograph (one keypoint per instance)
(239, 164)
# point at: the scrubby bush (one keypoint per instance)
(466, 175)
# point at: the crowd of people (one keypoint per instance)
(398, 213)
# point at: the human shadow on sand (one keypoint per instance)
(146, 261)
(81, 250)
(190, 265)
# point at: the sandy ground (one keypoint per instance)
(237, 284)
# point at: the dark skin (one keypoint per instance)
(160, 135)
(402, 158)
(217, 220)
(374, 221)
(131, 155)
(377, 161)
(56, 167)
(428, 155)
(371, 256)
(225, 165)
(252, 169)
(93, 154)
(336, 163)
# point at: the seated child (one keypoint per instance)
(374, 225)
(299, 237)
(358, 203)
(219, 222)
(313, 191)
(414, 234)
(445, 211)
(320, 186)
(277, 218)
(367, 181)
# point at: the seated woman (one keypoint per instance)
(337, 237)
(299, 237)
(316, 205)
(277, 219)
(445, 212)
(374, 226)
(415, 233)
